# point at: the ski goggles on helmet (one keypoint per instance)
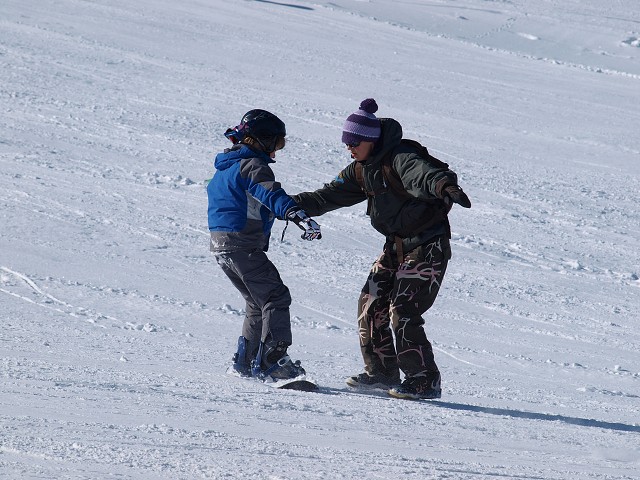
(236, 134)
(268, 144)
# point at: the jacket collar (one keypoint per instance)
(239, 152)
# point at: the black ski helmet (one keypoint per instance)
(263, 124)
(267, 129)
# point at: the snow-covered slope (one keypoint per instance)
(116, 326)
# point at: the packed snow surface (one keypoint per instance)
(117, 326)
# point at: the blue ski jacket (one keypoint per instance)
(244, 200)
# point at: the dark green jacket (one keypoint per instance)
(392, 213)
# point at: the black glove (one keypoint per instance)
(453, 193)
(309, 225)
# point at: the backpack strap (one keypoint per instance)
(389, 175)
(360, 179)
(392, 178)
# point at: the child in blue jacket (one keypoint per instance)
(244, 201)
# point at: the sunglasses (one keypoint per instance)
(353, 144)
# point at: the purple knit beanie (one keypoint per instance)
(362, 126)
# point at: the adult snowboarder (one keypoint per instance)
(244, 199)
(409, 194)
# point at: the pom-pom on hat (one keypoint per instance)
(362, 125)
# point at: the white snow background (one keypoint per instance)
(116, 325)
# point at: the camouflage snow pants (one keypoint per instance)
(395, 297)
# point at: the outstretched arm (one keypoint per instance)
(342, 191)
(430, 179)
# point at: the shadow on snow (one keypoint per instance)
(284, 4)
(505, 412)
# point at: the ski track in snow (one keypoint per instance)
(117, 326)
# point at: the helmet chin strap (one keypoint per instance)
(264, 147)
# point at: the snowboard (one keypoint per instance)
(394, 394)
(301, 383)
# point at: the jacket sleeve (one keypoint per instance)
(342, 191)
(423, 178)
(261, 184)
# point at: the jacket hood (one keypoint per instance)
(236, 153)
(390, 137)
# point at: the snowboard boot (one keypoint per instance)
(425, 385)
(241, 364)
(273, 362)
(380, 380)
